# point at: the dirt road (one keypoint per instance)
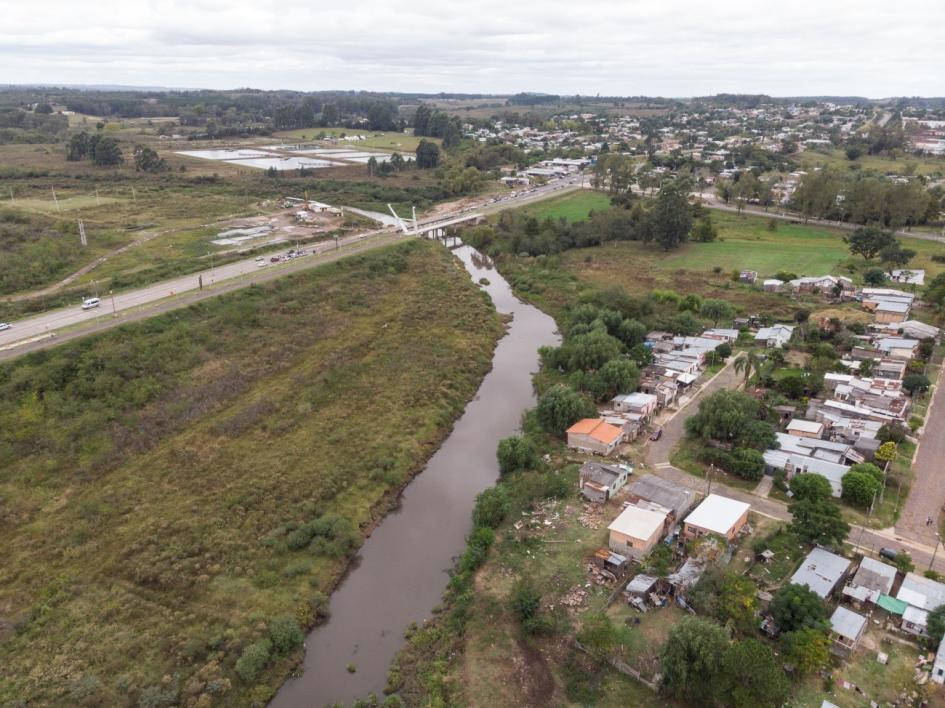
(927, 494)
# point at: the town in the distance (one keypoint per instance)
(363, 398)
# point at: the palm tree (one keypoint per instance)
(749, 362)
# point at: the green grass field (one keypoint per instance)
(574, 206)
(376, 140)
(150, 477)
(50, 206)
(926, 165)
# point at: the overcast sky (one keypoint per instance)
(622, 47)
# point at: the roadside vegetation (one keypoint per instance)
(178, 497)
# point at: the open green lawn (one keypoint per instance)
(926, 165)
(150, 476)
(378, 140)
(574, 206)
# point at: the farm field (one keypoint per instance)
(153, 477)
(574, 206)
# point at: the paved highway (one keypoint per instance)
(49, 328)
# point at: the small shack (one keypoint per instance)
(599, 482)
(846, 628)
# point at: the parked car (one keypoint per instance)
(4, 326)
(90, 303)
(656, 434)
(889, 553)
(274, 259)
(260, 264)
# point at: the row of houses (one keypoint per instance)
(906, 599)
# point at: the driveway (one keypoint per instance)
(927, 493)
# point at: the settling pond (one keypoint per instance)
(401, 571)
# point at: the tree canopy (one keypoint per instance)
(691, 659)
(560, 407)
(818, 520)
(797, 607)
(732, 417)
(752, 676)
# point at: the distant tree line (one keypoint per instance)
(437, 124)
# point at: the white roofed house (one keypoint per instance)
(644, 404)
(776, 336)
(805, 428)
(717, 515)
(922, 595)
(636, 531)
(911, 277)
(918, 330)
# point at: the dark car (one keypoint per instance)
(656, 434)
(888, 553)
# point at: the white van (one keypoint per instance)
(90, 303)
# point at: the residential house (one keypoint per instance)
(776, 336)
(872, 579)
(643, 404)
(595, 436)
(829, 285)
(887, 311)
(723, 333)
(911, 277)
(846, 628)
(600, 482)
(656, 490)
(938, 667)
(636, 531)
(918, 330)
(772, 285)
(794, 464)
(898, 347)
(922, 595)
(805, 428)
(822, 572)
(717, 515)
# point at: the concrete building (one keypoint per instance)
(636, 531)
(922, 595)
(595, 436)
(644, 404)
(717, 515)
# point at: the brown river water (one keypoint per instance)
(401, 571)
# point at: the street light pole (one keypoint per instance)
(934, 550)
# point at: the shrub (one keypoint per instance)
(524, 600)
(515, 453)
(492, 506)
(285, 633)
(253, 660)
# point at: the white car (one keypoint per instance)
(91, 303)
(4, 326)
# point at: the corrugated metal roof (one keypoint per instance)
(821, 571)
(846, 623)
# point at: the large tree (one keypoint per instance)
(860, 488)
(796, 607)
(691, 660)
(716, 310)
(751, 676)
(560, 407)
(818, 520)
(515, 453)
(672, 218)
(731, 417)
(807, 649)
(811, 487)
(107, 152)
(728, 597)
(428, 154)
(868, 241)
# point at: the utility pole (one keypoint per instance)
(58, 208)
(97, 202)
(11, 196)
(114, 311)
(708, 478)
(133, 195)
(934, 550)
(82, 238)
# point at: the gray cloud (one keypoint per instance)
(657, 47)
